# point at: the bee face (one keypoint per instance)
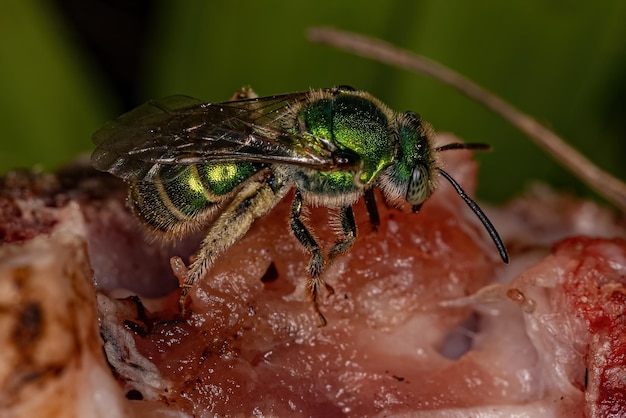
(411, 177)
(186, 160)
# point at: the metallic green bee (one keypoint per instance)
(185, 159)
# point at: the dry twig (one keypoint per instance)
(613, 189)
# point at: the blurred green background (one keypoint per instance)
(69, 65)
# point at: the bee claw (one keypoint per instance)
(181, 271)
(321, 318)
(313, 290)
(182, 301)
(316, 308)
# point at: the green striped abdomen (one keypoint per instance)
(181, 204)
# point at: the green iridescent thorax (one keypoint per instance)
(353, 121)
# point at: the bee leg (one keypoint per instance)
(348, 227)
(372, 209)
(317, 262)
(254, 200)
(243, 93)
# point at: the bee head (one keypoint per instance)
(415, 168)
(411, 177)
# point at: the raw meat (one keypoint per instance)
(424, 321)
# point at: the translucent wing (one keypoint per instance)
(180, 130)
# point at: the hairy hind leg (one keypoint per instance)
(254, 200)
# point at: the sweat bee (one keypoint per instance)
(188, 163)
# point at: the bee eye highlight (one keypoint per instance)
(419, 188)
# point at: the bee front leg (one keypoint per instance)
(254, 200)
(317, 262)
(372, 209)
(348, 227)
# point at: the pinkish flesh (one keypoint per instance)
(415, 325)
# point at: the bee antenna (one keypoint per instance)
(480, 214)
(461, 145)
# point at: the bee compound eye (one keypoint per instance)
(418, 189)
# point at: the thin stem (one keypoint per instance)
(613, 189)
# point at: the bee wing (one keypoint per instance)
(180, 130)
